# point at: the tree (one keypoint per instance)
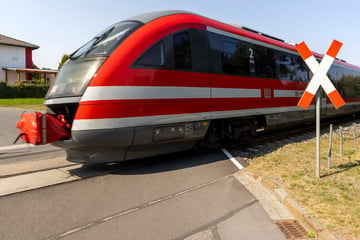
(64, 58)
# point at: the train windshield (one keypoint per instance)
(83, 64)
(106, 41)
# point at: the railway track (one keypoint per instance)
(21, 152)
(20, 174)
(266, 143)
(33, 174)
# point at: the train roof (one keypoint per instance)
(241, 30)
(150, 16)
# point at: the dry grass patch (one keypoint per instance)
(334, 199)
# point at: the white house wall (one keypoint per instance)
(11, 57)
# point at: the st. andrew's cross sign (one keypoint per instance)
(319, 79)
(319, 75)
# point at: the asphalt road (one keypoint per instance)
(8, 130)
(169, 197)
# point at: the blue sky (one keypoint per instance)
(60, 27)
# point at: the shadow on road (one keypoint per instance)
(165, 163)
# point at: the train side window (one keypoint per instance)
(302, 71)
(215, 53)
(234, 58)
(348, 82)
(291, 67)
(285, 64)
(153, 57)
(334, 73)
(182, 50)
(264, 61)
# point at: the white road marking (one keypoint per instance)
(76, 230)
(232, 159)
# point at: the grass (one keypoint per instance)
(24, 103)
(333, 199)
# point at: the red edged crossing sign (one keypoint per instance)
(320, 78)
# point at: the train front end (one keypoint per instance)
(119, 97)
(60, 125)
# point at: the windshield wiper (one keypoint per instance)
(90, 45)
(98, 39)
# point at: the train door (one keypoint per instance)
(191, 64)
(232, 63)
(215, 64)
(200, 67)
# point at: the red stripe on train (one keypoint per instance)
(156, 78)
(142, 108)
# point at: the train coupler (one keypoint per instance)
(42, 128)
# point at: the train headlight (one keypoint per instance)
(74, 77)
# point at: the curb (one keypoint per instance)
(274, 185)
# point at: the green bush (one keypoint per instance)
(22, 91)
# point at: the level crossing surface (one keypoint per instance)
(172, 197)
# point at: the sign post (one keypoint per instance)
(318, 115)
(319, 79)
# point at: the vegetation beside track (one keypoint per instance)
(332, 199)
(23, 103)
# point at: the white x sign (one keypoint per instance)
(320, 78)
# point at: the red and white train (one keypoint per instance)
(167, 81)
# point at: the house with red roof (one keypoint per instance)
(16, 64)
